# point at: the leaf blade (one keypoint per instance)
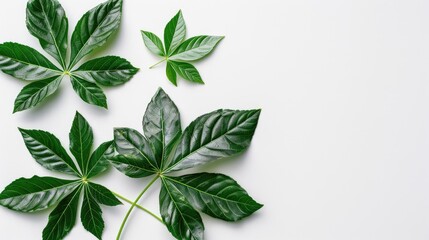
(153, 43)
(195, 48)
(107, 71)
(94, 28)
(187, 71)
(103, 195)
(35, 92)
(36, 193)
(47, 21)
(174, 33)
(216, 195)
(25, 63)
(171, 74)
(89, 92)
(91, 215)
(131, 166)
(213, 136)
(81, 140)
(98, 162)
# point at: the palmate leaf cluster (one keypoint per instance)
(47, 21)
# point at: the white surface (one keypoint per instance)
(341, 151)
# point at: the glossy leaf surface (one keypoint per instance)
(35, 92)
(216, 195)
(174, 33)
(153, 43)
(91, 214)
(132, 166)
(195, 48)
(89, 92)
(187, 71)
(107, 71)
(102, 195)
(81, 139)
(94, 28)
(98, 161)
(47, 21)
(25, 63)
(36, 193)
(181, 219)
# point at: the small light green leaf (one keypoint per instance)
(195, 48)
(25, 63)
(89, 92)
(174, 33)
(186, 71)
(107, 71)
(91, 215)
(63, 218)
(36, 193)
(171, 74)
(35, 92)
(94, 28)
(216, 195)
(46, 149)
(81, 139)
(213, 136)
(153, 43)
(98, 162)
(103, 195)
(181, 219)
(47, 21)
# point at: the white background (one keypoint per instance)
(341, 150)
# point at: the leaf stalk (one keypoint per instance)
(156, 64)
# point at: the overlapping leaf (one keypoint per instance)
(177, 52)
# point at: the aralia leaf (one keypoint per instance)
(195, 48)
(47, 21)
(46, 149)
(35, 92)
(213, 136)
(171, 74)
(25, 63)
(102, 195)
(36, 193)
(81, 139)
(130, 142)
(186, 71)
(98, 161)
(107, 71)
(63, 218)
(91, 215)
(161, 125)
(153, 43)
(216, 195)
(174, 33)
(181, 219)
(94, 28)
(89, 92)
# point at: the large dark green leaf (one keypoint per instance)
(103, 195)
(107, 71)
(171, 74)
(63, 218)
(161, 125)
(94, 28)
(81, 139)
(186, 71)
(91, 215)
(174, 33)
(47, 21)
(130, 142)
(195, 48)
(36, 193)
(153, 43)
(25, 63)
(215, 135)
(216, 195)
(35, 92)
(46, 149)
(181, 219)
(98, 162)
(89, 92)
(132, 166)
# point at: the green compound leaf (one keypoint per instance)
(107, 71)
(81, 139)
(63, 218)
(25, 63)
(153, 43)
(47, 21)
(46, 149)
(216, 195)
(174, 33)
(195, 48)
(94, 28)
(35, 92)
(89, 92)
(181, 219)
(36, 193)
